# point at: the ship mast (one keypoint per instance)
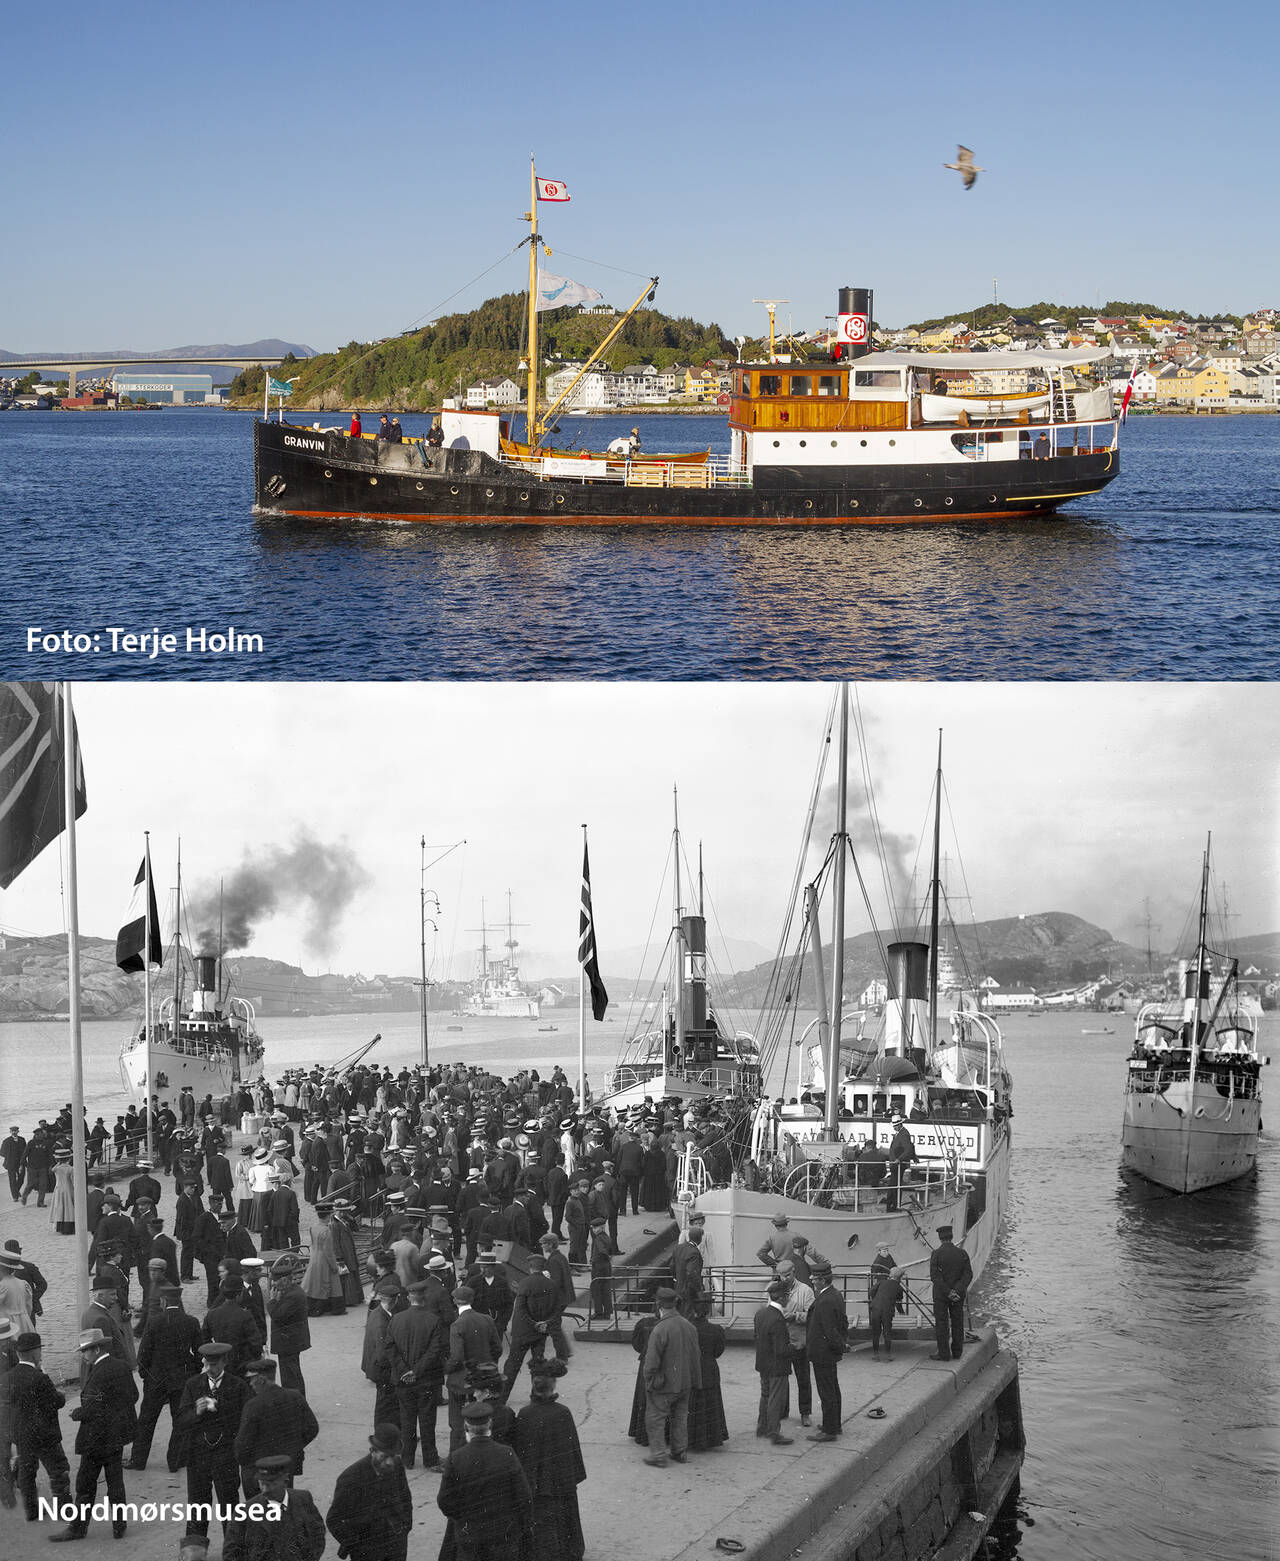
(678, 931)
(1200, 958)
(832, 1107)
(532, 430)
(935, 891)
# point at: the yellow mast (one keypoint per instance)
(533, 430)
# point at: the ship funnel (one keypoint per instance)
(907, 1012)
(855, 301)
(693, 986)
(1192, 1009)
(205, 997)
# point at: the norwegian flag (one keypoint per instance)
(1128, 395)
(32, 805)
(587, 956)
(552, 190)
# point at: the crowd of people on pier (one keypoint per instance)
(419, 1184)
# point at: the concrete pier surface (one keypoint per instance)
(895, 1487)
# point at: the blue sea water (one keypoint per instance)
(144, 520)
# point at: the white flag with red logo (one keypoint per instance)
(552, 190)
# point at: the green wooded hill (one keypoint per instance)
(415, 371)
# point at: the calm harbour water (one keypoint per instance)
(1145, 1324)
(142, 520)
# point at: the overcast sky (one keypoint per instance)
(190, 174)
(1074, 797)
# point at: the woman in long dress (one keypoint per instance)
(62, 1208)
(640, 1343)
(707, 1425)
(551, 1456)
(653, 1185)
(322, 1283)
(344, 1249)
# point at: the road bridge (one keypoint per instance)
(71, 366)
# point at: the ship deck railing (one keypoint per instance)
(717, 471)
(1243, 1081)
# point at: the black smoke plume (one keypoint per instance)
(310, 877)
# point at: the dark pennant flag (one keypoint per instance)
(132, 948)
(32, 807)
(587, 943)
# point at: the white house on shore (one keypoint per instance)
(493, 392)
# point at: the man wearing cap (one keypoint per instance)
(779, 1244)
(103, 1314)
(290, 1330)
(209, 1413)
(826, 1338)
(13, 1155)
(33, 1405)
(187, 1211)
(414, 1353)
(230, 1322)
(143, 1185)
(388, 1299)
(672, 1369)
(686, 1269)
(239, 1241)
(167, 1357)
(902, 1155)
(294, 1530)
(473, 1339)
(372, 1510)
(578, 1216)
(275, 1420)
(107, 1421)
(534, 1316)
(484, 1494)
(795, 1311)
(951, 1274)
(773, 1363)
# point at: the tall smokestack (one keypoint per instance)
(855, 304)
(204, 1000)
(907, 1013)
(693, 991)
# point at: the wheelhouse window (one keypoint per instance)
(771, 384)
(829, 384)
(877, 379)
(800, 385)
(744, 384)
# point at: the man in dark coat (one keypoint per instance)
(290, 1330)
(297, 1534)
(672, 1369)
(187, 1211)
(13, 1155)
(826, 1337)
(773, 1363)
(209, 1244)
(535, 1315)
(951, 1274)
(33, 1408)
(414, 1352)
(372, 1511)
(209, 1414)
(162, 1246)
(557, 1196)
(275, 1420)
(108, 1422)
(232, 1324)
(143, 1186)
(484, 1494)
(167, 1357)
(473, 1338)
(491, 1290)
(239, 1243)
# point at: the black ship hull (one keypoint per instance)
(324, 474)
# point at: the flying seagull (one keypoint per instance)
(965, 166)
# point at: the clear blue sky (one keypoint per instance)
(323, 172)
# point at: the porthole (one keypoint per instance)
(853, 503)
(524, 497)
(419, 487)
(373, 482)
(919, 503)
(994, 500)
(808, 504)
(853, 1240)
(328, 474)
(803, 442)
(892, 442)
(948, 501)
(833, 444)
(488, 493)
(559, 498)
(776, 443)
(454, 491)
(863, 443)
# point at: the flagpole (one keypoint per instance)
(80, 1189)
(582, 1015)
(146, 979)
(531, 419)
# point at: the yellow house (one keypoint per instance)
(1209, 384)
(1175, 383)
(701, 384)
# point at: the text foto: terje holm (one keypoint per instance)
(148, 643)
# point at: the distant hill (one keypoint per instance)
(414, 371)
(271, 347)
